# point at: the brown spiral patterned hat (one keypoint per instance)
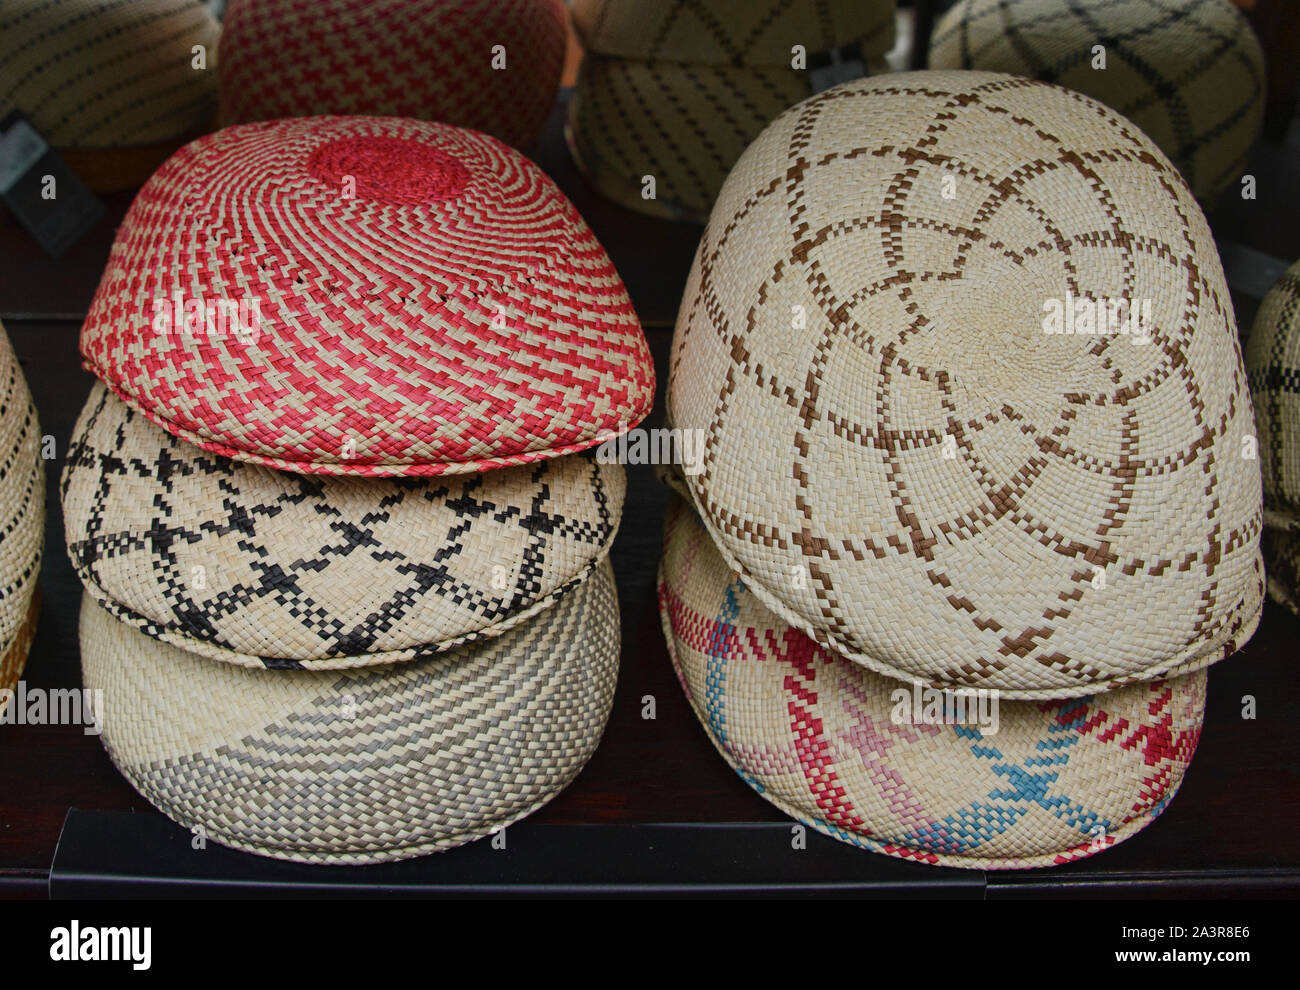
(366, 766)
(1273, 367)
(261, 568)
(22, 517)
(426, 59)
(678, 90)
(971, 395)
(1190, 73)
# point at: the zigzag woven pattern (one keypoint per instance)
(748, 33)
(427, 59)
(108, 73)
(815, 734)
(261, 568)
(427, 302)
(1190, 73)
(364, 766)
(22, 514)
(1273, 369)
(902, 456)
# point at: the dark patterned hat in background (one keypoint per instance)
(363, 766)
(975, 423)
(110, 84)
(22, 518)
(1190, 73)
(366, 296)
(1273, 368)
(1043, 783)
(263, 568)
(425, 59)
(677, 90)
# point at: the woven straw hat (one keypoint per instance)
(1273, 368)
(416, 299)
(22, 517)
(262, 568)
(427, 59)
(899, 457)
(360, 766)
(841, 749)
(109, 74)
(1190, 73)
(678, 90)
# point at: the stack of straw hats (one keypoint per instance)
(1188, 72)
(483, 64)
(22, 519)
(678, 90)
(1273, 364)
(926, 471)
(110, 84)
(346, 554)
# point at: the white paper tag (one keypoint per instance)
(20, 148)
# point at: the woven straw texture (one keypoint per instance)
(108, 73)
(816, 735)
(749, 33)
(455, 315)
(901, 460)
(22, 514)
(1190, 73)
(427, 59)
(1273, 369)
(14, 657)
(263, 568)
(678, 90)
(366, 766)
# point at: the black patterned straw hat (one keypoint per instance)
(1190, 73)
(676, 90)
(336, 669)
(22, 518)
(1273, 366)
(113, 85)
(923, 447)
(262, 568)
(360, 766)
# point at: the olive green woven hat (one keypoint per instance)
(1273, 365)
(22, 518)
(1188, 72)
(675, 91)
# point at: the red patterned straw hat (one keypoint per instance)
(970, 393)
(368, 296)
(985, 784)
(493, 65)
(114, 85)
(22, 518)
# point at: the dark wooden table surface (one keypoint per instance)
(1231, 829)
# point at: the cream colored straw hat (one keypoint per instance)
(1273, 366)
(677, 90)
(973, 406)
(364, 766)
(22, 518)
(999, 785)
(113, 85)
(1190, 73)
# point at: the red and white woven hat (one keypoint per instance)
(369, 296)
(491, 65)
